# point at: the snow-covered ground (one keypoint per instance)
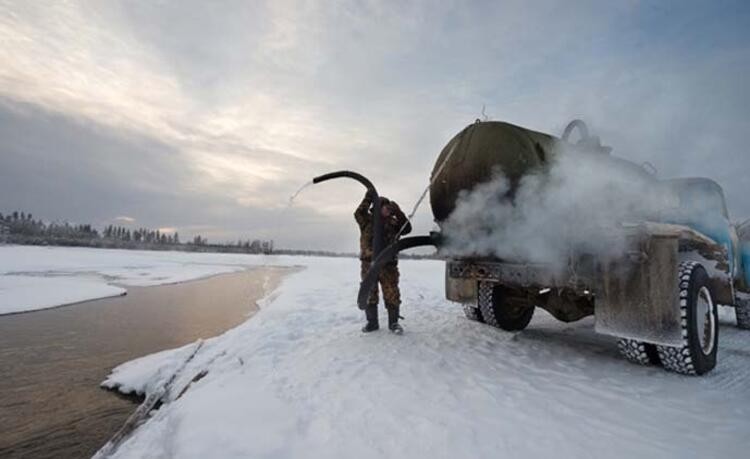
(40, 277)
(299, 380)
(20, 293)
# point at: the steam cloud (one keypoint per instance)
(572, 206)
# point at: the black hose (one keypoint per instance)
(377, 223)
(347, 174)
(386, 256)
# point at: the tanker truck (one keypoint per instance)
(658, 293)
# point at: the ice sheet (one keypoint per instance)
(23, 293)
(41, 277)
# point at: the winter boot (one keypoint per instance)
(393, 317)
(371, 313)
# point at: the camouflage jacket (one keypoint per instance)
(391, 226)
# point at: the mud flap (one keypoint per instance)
(460, 290)
(637, 296)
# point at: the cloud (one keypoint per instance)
(125, 219)
(224, 110)
(62, 169)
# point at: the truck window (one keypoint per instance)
(702, 198)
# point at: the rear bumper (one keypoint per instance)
(515, 274)
(462, 277)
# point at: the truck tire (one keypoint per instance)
(742, 311)
(639, 352)
(499, 313)
(473, 313)
(700, 324)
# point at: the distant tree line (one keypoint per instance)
(256, 246)
(24, 225)
(146, 235)
(22, 228)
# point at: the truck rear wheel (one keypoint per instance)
(742, 311)
(700, 325)
(473, 313)
(639, 352)
(500, 313)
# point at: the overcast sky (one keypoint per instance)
(206, 116)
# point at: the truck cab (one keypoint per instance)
(702, 207)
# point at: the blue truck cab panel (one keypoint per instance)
(743, 232)
(702, 207)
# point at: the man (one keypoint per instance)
(393, 220)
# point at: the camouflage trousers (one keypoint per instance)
(388, 281)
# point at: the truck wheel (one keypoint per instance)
(742, 311)
(700, 325)
(499, 313)
(473, 313)
(639, 352)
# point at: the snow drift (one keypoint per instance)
(300, 380)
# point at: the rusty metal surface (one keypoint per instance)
(637, 296)
(513, 274)
(698, 247)
(460, 290)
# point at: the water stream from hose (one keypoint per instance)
(279, 219)
(294, 196)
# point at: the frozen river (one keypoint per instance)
(301, 380)
(53, 361)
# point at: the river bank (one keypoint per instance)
(53, 361)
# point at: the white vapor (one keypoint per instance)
(572, 206)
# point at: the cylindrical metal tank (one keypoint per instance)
(480, 151)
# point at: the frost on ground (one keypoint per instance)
(300, 380)
(41, 277)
